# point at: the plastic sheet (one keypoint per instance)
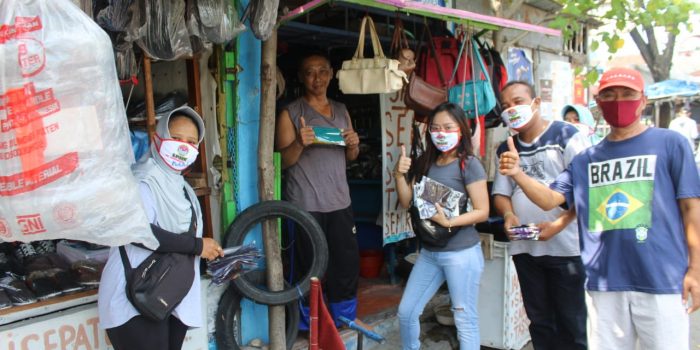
(218, 20)
(263, 17)
(158, 27)
(115, 17)
(65, 154)
(127, 65)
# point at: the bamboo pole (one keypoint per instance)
(275, 281)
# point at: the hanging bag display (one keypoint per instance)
(475, 96)
(401, 50)
(160, 282)
(420, 96)
(499, 78)
(377, 75)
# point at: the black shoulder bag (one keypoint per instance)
(430, 232)
(160, 282)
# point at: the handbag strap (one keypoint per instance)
(459, 57)
(481, 61)
(376, 45)
(399, 40)
(433, 51)
(192, 230)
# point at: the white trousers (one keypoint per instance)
(637, 321)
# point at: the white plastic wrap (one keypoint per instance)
(263, 17)
(65, 153)
(218, 20)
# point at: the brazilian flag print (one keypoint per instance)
(619, 206)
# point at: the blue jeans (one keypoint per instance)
(462, 269)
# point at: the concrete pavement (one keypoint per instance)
(437, 337)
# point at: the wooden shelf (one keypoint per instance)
(50, 305)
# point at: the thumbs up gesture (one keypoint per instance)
(306, 134)
(404, 163)
(509, 163)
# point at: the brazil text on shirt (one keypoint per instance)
(621, 170)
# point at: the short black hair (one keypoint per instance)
(312, 54)
(530, 89)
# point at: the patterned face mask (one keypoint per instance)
(177, 155)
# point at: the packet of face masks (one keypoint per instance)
(329, 136)
(525, 233)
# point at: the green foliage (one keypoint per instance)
(626, 15)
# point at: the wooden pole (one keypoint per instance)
(275, 281)
(150, 105)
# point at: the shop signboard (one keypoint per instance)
(75, 329)
(396, 132)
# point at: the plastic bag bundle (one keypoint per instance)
(127, 66)
(263, 17)
(236, 260)
(115, 17)
(197, 39)
(218, 20)
(65, 153)
(159, 28)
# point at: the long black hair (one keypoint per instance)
(430, 154)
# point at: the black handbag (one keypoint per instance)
(160, 282)
(429, 232)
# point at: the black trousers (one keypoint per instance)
(140, 333)
(342, 275)
(554, 299)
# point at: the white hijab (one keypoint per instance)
(166, 184)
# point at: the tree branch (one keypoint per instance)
(496, 6)
(643, 47)
(513, 8)
(670, 45)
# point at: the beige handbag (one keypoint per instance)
(376, 75)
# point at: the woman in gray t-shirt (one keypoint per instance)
(449, 160)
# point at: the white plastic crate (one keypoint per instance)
(502, 320)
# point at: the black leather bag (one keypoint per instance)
(160, 282)
(429, 232)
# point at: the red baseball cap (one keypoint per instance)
(622, 77)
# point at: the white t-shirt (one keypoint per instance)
(543, 159)
(686, 127)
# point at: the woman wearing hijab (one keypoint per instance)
(169, 202)
(582, 118)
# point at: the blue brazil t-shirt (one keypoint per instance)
(626, 198)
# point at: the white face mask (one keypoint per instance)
(517, 117)
(177, 155)
(445, 141)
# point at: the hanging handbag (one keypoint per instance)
(475, 96)
(420, 96)
(499, 78)
(377, 75)
(400, 49)
(160, 282)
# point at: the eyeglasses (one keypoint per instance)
(445, 128)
